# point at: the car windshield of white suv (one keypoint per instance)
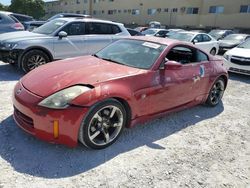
(187, 37)
(49, 27)
(235, 37)
(132, 53)
(245, 44)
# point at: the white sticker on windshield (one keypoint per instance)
(151, 45)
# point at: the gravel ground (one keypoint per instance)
(198, 147)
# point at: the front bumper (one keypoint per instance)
(10, 56)
(241, 69)
(38, 121)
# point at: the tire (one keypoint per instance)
(213, 51)
(216, 93)
(33, 59)
(103, 124)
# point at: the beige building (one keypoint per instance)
(179, 13)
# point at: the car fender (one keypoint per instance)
(106, 91)
(46, 50)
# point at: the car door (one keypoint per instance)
(181, 86)
(73, 44)
(205, 42)
(98, 36)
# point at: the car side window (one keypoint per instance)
(181, 54)
(200, 56)
(76, 28)
(186, 55)
(102, 29)
(199, 38)
(206, 38)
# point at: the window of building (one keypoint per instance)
(245, 9)
(216, 9)
(135, 12)
(77, 1)
(165, 9)
(85, 1)
(151, 11)
(192, 10)
(175, 10)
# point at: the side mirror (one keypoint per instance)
(62, 34)
(171, 65)
(195, 41)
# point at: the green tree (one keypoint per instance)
(33, 8)
(2, 7)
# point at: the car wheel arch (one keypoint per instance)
(46, 51)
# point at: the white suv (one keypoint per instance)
(58, 39)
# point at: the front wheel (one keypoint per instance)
(33, 59)
(216, 93)
(103, 124)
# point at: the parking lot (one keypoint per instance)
(198, 147)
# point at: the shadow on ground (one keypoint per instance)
(10, 72)
(239, 77)
(34, 157)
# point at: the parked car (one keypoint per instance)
(31, 25)
(220, 34)
(58, 39)
(154, 24)
(238, 59)
(93, 98)
(173, 32)
(134, 32)
(198, 31)
(155, 32)
(202, 40)
(8, 23)
(231, 41)
(141, 29)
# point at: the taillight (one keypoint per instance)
(18, 26)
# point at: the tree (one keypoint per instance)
(33, 8)
(2, 7)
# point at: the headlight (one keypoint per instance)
(8, 46)
(61, 99)
(226, 56)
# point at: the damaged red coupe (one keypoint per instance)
(93, 98)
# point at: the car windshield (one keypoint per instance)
(235, 37)
(182, 36)
(150, 32)
(216, 33)
(50, 27)
(245, 44)
(132, 53)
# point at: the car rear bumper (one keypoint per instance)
(40, 122)
(10, 56)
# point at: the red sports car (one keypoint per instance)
(92, 98)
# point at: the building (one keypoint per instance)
(178, 13)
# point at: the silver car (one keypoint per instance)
(58, 39)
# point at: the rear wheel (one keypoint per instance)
(103, 124)
(216, 93)
(33, 59)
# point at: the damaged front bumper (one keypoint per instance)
(10, 56)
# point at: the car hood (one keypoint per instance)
(228, 43)
(19, 36)
(86, 70)
(240, 52)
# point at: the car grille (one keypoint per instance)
(239, 70)
(22, 119)
(240, 60)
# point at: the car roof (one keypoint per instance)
(70, 19)
(192, 32)
(5, 12)
(163, 41)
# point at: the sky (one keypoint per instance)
(7, 2)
